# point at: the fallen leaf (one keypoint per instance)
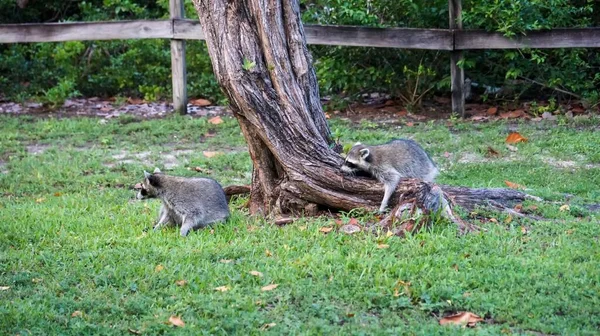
(389, 233)
(3, 288)
(269, 287)
(508, 219)
(256, 273)
(570, 231)
(353, 221)
(513, 185)
(325, 229)
(410, 124)
(564, 207)
(492, 152)
(512, 148)
(222, 288)
(267, 326)
(532, 207)
(462, 318)
(176, 321)
(135, 332)
(455, 266)
(210, 154)
(327, 116)
(200, 102)
(493, 220)
(181, 282)
(524, 230)
(251, 228)
(40, 200)
(518, 207)
(225, 261)
(515, 137)
(135, 101)
(216, 120)
(479, 117)
(577, 109)
(76, 313)
(396, 292)
(492, 110)
(268, 253)
(382, 246)
(159, 268)
(57, 194)
(447, 155)
(350, 229)
(350, 315)
(512, 114)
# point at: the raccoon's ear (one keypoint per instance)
(146, 174)
(364, 153)
(156, 170)
(154, 181)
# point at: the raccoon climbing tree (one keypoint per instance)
(261, 61)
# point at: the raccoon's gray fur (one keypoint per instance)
(191, 203)
(389, 163)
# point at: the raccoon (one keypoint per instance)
(389, 163)
(191, 203)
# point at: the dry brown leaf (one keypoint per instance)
(410, 124)
(3, 288)
(353, 221)
(382, 246)
(135, 101)
(492, 110)
(396, 292)
(492, 152)
(181, 282)
(222, 288)
(524, 230)
(269, 287)
(514, 138)
(327, 116)
(512, 114)
(210, 154)
(508, 219)
(479, 117)
(176, 321)
(493, 220)
(135, 332)
(389, 233)
(350, 229)
(256, 273)
(57, 194)
(350, 314)
(200, 102)
(518, 207)
(40, 200)
(513, 185)
(564, 207)
(268, 253)
(325, 229)
(159, 268)
(216, 120)
(462, 318)
(76, 313)
(267, 326)
(570, 231)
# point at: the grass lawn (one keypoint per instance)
(76, 260)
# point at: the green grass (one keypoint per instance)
(72, 238)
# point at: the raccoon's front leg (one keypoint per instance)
(163, 218)
(390, 184)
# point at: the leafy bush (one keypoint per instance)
(142, 67)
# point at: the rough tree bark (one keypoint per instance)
(261, 61)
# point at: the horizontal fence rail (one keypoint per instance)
(178, 29)
(406, 38)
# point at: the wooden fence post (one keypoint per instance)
(178, 67)
(457, 73)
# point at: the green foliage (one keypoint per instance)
(142, 67)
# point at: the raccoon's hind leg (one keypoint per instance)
(163, 218)
(187, 224)
(390, 184)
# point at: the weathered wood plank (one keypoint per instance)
(84, 31)
(555, 38)
(457, 74)
(178, 64)
(408, 38)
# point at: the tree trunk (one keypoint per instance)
(261, 61)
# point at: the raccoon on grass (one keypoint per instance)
(189, 202)
(389, 163)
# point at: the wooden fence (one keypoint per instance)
(177, 29)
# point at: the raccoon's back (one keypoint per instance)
(409, 158)
(198, 195)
